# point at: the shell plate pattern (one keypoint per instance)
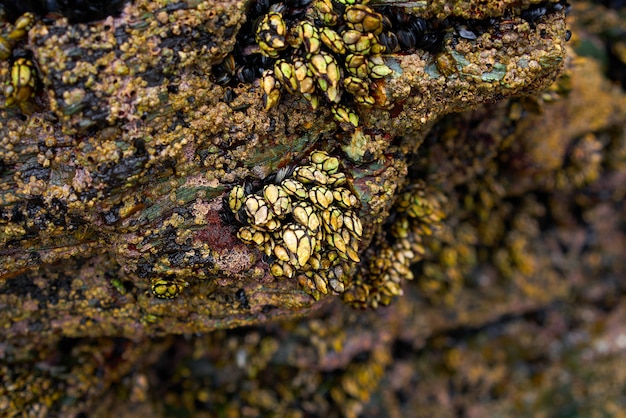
(419, 212)
(304, 219)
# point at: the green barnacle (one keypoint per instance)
(356, 86)
(324, 12)
(344, 114)
(322, 161)
(358, 42)
(23, 24)
(337, 179)
(23, 82)
(367, 101)
(351, 2)
(304, 76)
(332, 40)
(326, 69)
(309, 174)
(362, 18)
(5, 49)
(345, 198)
(270, 34)
(235, 198)
(309, 36)
(357, 65)
(313, 99)
(164, 288)
(271, 89)
(285, 74)
(377, 68)
(294, 188)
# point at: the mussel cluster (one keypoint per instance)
(418, 212)
(304, 220)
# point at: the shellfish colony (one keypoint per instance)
(304, 220)
(419, 212)
(323, 50)
(333, 51)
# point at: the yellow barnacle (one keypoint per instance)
(286, 75)
(352, 223)
(277, 199)
(299, 243)
(332, 40)
(167, 288)
(281, 268)
(321, 196)
(245, 234)
(345, 198)
(377, 68)
(294, 188)
(309, 36)
(23, 82)
(305, 215)
(323, 10)
(362, 18)
(356, 64)
(343, 114)
(257, 209)
(271, 89)
(310, 174)
(304, 76)
(5, 49)
(270, 34)
(332, 219)
(235, 198)
(23, 24)
(326, 69)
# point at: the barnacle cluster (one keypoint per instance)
(304, 219)
(419, 212)
(311, 51)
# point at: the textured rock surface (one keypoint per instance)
(121, 169)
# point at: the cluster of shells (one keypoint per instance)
(20, 88)
(304, 220)
(418, 213)
(335, 49)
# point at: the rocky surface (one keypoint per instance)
(116, 170)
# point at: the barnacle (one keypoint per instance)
(419, 211)
(23, 82)
(166, 287)
(313, 67)
(304, 220)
